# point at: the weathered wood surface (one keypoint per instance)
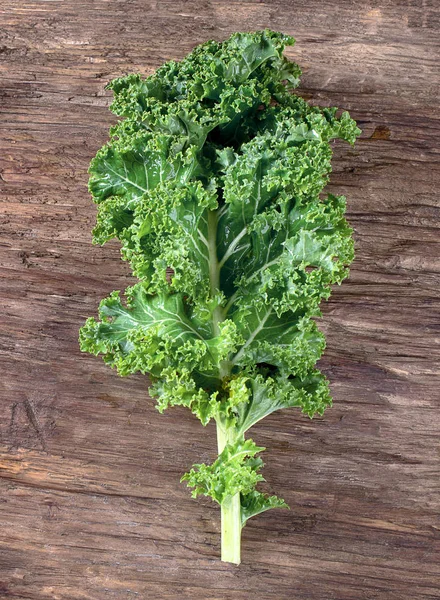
(91, 506)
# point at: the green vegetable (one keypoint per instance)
(216, 173)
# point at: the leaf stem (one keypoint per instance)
(214, 267)
(230, 507)
(214, 280)
(231, 530)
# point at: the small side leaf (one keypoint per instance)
(235, 471)
(255, 503)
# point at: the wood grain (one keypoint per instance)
(91, 506)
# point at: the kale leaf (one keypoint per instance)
(215, 175)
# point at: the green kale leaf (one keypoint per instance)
(213, 183)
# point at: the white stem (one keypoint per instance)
(251, 338)
(230, 508)
(232, 246)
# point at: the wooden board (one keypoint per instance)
(91, 507)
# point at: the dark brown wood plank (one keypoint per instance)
(90, 504)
